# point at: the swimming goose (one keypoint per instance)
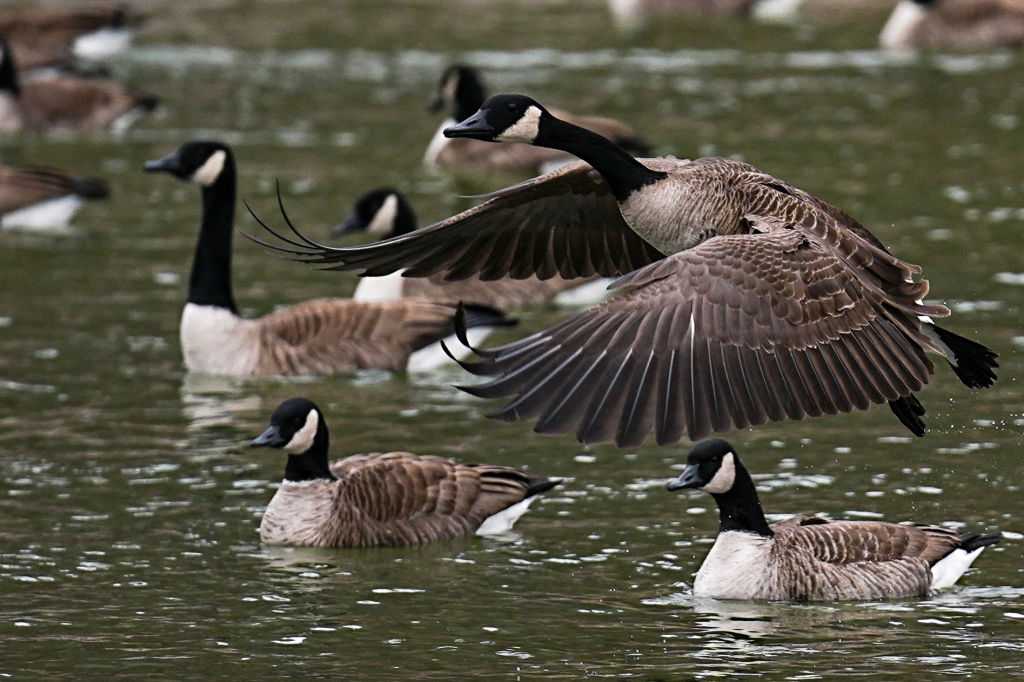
(809, 558)
(461, 91)
(65, 102)
(321, 336)
(746, 299)
(51, 36)
(36, 197)
(386, 213)
(382, 499)
(958, 24)
(633, 13)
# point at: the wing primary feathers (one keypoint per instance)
(288, 222)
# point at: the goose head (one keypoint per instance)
(710, 466)
(202, 162)
(506, 118)
(8, 69)
(298, 427)
(460, 92)
(383, 212)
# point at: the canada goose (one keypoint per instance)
(65, 102)
(792, 10)
(386, 213)
(808, 558)
(746, 298)
(958, 24)
(320, 336)
(382, 499)
(461, 91)
(51, 36)
(632, 13)
(36, 197)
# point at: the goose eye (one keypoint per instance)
(512, 106)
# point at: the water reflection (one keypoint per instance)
(209, 401)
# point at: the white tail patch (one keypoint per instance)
(431, 357)
(208, 173)
(782, 11)
(386, 288)
(948, 570)
(896, 32)
(304, 437)
(384, 219)
(126, 120)
(102, 44)
(50, 214)
(585, 294)
(503, 521)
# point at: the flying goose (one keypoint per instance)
(321, 336)
(958, 24)
(37, 197)
(382, 499)
(742, 299)
(51, 36)
(460, 92)
(385, 212)
(809, 558)
(65, 102)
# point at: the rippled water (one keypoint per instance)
(129, 504)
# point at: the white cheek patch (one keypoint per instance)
(303, 438)
(384, 219)
(523, 130)
(208, 173)
(724, 477)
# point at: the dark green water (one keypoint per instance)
(129, 504)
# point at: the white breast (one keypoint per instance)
(437, 143)
(54, 213)
(297, 513)
(902, 21)
(386, 288)
(216, 341)
(10, 114)
(737, 567)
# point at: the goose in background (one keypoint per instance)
(809, 558)
(382, 499)
(788, 11)
(52, 36)
(461, 91)
(742, 299)
(957, 24)
(39, 198)
(65, 102)
(631, 14)
(385, 213)
(321, 336)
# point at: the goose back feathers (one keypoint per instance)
(743, 299)
(65, 102)
(808, 558)
(382, 499)
(321, 336)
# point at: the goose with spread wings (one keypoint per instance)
(742, 299)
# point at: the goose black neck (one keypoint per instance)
(312, 464)
(405, 219)
(739, 509)
(8, 71)
(623, 173)
(469, 95)
(210, 282)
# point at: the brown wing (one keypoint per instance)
(401, 498)
(845, 542)
(85, 104)
(504, 294)
(323, 336)
(21, 187)
(565, 222)
(731, 333)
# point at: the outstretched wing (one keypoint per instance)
(734, 332)
(565, 222)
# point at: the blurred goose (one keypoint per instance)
(793, 10)
(461, 91)
(36, 197)
(809, 558)
(382, 499)
(321, 336)
(744, 300)
(958, 24)
(633, 13)
(51, 36)
(386, 212)
(65, 102)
